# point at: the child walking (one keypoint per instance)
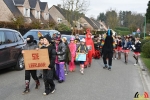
(82, 48)
(126, 48)
(136, 49)
(31, 45)
(72, 47)
(48, 74)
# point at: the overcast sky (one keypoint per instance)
(97, 6)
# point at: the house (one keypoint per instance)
(29, 9)
(44, 11)
(88, 23)
(58, 14)
(103, 26)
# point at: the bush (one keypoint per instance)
(144, 41)
(146, 49)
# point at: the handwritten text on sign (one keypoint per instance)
(36, 59)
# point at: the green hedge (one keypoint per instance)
(122, 28)
(146, 49)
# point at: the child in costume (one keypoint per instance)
(126, 48)
(72, 47)
(119, 47)
(82, 48)
(91, 49)
(136, 49)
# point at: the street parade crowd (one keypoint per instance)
(63, 55)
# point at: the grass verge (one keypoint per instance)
(146, 61)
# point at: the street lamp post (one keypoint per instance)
(145, 27)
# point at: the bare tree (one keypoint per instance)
(74, 10)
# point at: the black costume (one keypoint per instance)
(107, 50)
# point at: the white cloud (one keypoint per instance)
(97, 6)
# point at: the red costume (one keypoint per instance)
(90, 46)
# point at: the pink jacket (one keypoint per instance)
(72, 47)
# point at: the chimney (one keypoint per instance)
(59, 5)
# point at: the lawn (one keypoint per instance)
(146, 61)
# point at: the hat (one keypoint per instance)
(31, 38)
(49, 39)
(71, 39)
(109, 32)
(57, 39)
(82, 40)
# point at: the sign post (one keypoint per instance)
(36, 59)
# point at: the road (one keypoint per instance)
(96, 84)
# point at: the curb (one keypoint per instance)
(145, 76)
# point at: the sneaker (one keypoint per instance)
(37, 86)
(105, 67)
(109, 69)
(27, 90)
(44, 93)
(53, 91)
(82, 72)
(115, 58)
(60, 81)
(135, 64)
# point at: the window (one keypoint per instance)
(2, 38)
(46, 16)
(26, 12)
(59, 20)
(37, 14)
(17, 36)
(9, 37)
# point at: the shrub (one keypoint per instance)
(144, 41)
(146, 49)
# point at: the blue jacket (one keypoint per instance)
(128, 45)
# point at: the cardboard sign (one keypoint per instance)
(36, 59)
(80, 57)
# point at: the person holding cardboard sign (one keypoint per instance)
(31, 45)
(48, 74)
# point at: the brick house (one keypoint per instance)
(58, 14)
(29, 9)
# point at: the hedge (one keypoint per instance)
(146, 49)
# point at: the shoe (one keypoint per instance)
(105, 67)
(115, 58)
(82, 72)
(52, 91)
(45, 93)
(109, 69)
(39, 77)
(60, 81)
(85, 66)
(135, 64)
(27, 90)
(89, 65)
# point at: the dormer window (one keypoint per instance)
(59, 20)
(46, 16)
(37, 14)
(26, 12)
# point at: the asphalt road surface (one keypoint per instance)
(96, 84)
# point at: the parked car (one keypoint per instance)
(81, 36)
(35, 32)
(11, 44)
